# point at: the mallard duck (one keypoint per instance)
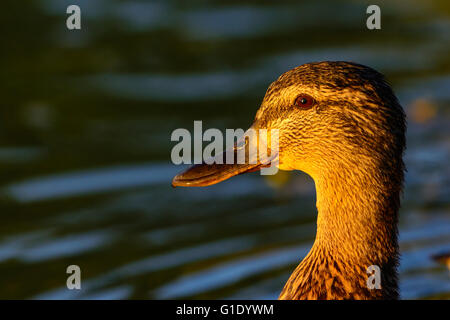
(342, 124)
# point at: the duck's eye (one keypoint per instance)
(304, 101)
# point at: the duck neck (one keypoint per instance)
(356, 228)
(357, 214)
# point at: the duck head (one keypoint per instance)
(330, 117)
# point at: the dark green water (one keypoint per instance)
(86, 119)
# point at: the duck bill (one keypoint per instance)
(242, 158)
(203, 175)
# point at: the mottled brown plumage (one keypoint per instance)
(351, 142)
